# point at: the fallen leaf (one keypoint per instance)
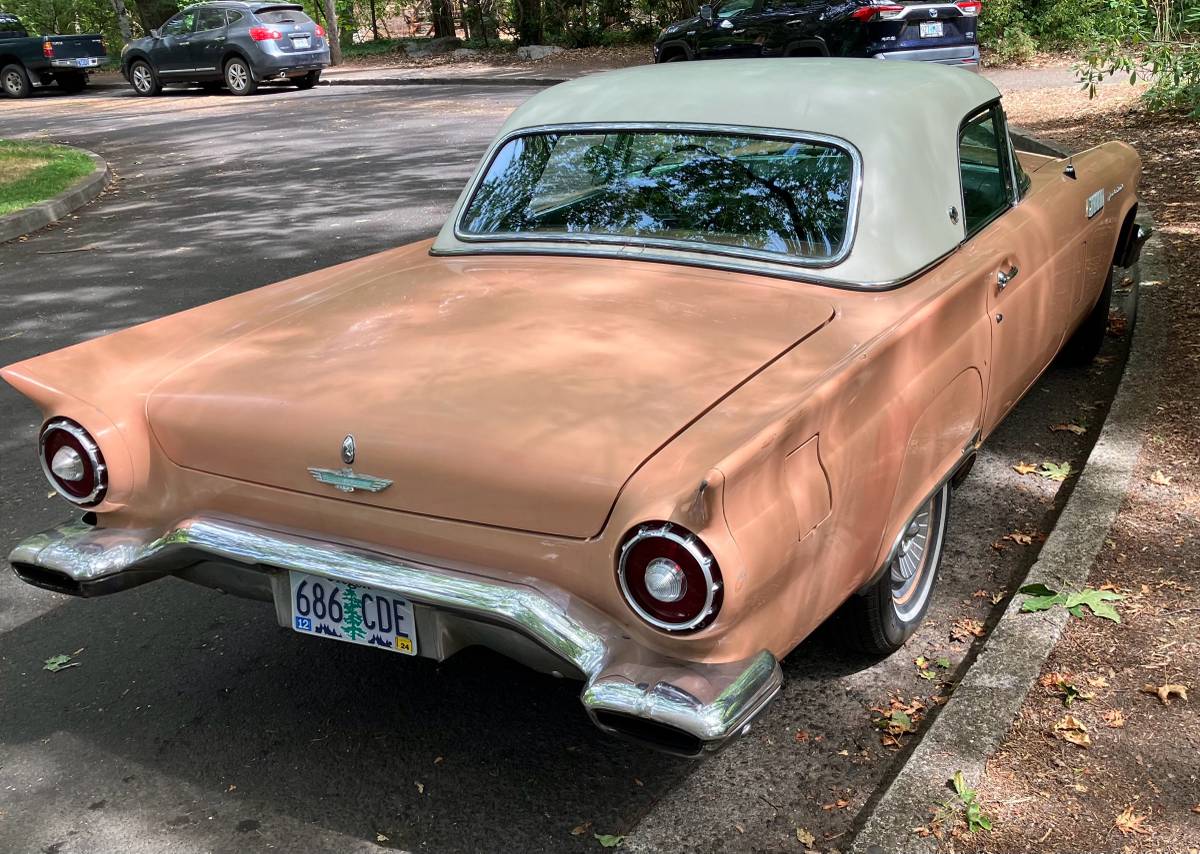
(581, 829)
(981, 594)
(966, 628)
(1019, 538)
(1069, 428)
(56, 663)
(801, 736)
(1166, 692)
(608, 840)
(379, 837)
(997, 598)
(1127, 822)
(232, 788)
(420, 788)
(1114, 718)
(1196, 808)
(438, 760)
(805, 838)
(1072, 729)
(738, 828)
(1117, 323)
(839, 804)
(1160, 479)
(1055, 471)
(1097, 681)
(1024, 468)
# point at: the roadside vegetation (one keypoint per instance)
(31, 172)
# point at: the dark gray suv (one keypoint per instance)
(235, 44)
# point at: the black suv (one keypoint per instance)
(885, 29)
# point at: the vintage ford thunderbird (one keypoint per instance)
(694, 364)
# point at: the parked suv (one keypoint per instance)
(30, 62)
(942, 32)
(235, 44)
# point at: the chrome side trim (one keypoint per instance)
(707, 703)
(682, 246)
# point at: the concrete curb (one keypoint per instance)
(977, 718)
(443, 81)
(42, 214)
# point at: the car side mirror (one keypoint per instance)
(706, 13)
(156, 34)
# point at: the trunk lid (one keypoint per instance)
(513, 392)
(76, 47)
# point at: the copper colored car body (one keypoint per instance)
(497, 427)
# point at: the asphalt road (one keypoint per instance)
(194, 723)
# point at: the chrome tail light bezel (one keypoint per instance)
(704, 561)
(81, 441)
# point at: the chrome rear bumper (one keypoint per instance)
(675, 705)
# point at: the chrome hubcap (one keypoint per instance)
(141, 78)
(237, 76)
(12, 82)
(916, 555)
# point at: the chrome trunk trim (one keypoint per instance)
(697, 707)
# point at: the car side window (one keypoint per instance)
(983, 164)
(210, 19)
(733, 8)
(180, 25)
(234, 17)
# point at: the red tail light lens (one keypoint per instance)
(970, 8)
(669, 578)
(320, 31)
(47, 50)
(265, 34)
(881, 11)
(72, 462)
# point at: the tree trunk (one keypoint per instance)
(528, 14)
(443, 18)
(123, 20)
(332, 35)
(374, 22)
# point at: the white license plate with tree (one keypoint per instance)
(352, 612)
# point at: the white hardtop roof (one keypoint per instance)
(902, 117)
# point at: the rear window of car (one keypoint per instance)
(283, 16)
(787, 198)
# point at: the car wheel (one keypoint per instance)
(881, 619)
(15, 81)
(143, 79)
(1084, 345)
(308, 81)
(238, 78)
(72, 83)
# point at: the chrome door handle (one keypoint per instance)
(1005, 276)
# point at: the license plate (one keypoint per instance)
(87, 63)
(352, 613)
(931, 29)
(301, 42)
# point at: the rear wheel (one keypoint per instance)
(1084, 345)
(308, 81)
(72, 83)
(143, 79)
(238, 78)
(15, 81)
(885, 616)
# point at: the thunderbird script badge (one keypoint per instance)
(346, 479)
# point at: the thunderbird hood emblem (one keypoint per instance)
(346, 479)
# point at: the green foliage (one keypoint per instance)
(1042, 598)
(969, 798)
(31, 172)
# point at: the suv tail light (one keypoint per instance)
(970, 8)
(877, 11)
(320, 31)
(265, 34)
(72, 462)
(669, 578)
(47, 50)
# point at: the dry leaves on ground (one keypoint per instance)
(1114, 718)
(965, 629)
(1071, 729)
(1129, 822)
(1160, 479)
(1166, 692)
(1069, 428)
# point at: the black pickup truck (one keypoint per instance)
(30, 62)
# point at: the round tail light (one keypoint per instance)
(72, 462)
(669, 578)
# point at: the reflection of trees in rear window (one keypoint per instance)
(785, 196)
(283, 16)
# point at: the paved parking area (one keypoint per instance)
(194, 723)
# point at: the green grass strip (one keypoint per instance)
(65, 166)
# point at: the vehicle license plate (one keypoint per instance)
(931, 29)
(301, 42)
(352, 613)
(87, 63)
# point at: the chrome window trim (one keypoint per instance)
(690, 543)
(991, 108)
(852, 208)
(95, 459)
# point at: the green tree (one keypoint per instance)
(352, 623)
